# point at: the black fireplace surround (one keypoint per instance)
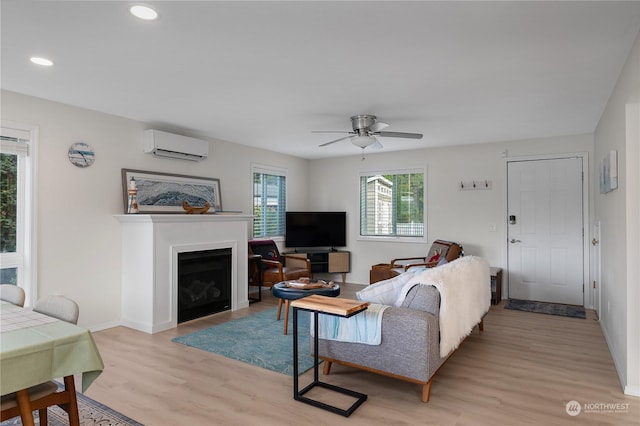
(204, 283)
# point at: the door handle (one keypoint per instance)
(594, 242)
(513, 241)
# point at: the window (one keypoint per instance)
(269, 202)
(15, 206)
(392, 204)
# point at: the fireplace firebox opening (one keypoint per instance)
(204, 283)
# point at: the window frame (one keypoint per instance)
(25, 258)
(394, 238)
(274, 171)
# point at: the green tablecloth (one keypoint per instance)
(40, 349)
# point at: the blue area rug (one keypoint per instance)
(91, 413)
(572, 311)
(257, 339)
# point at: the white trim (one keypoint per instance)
(586, 270)
(616, 363)
(30, 224)
(395, 171)
(270, 170)
(274, 171)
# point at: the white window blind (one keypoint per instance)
(269, 201)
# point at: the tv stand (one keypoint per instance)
(330, 261)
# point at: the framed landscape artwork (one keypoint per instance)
(165, 193)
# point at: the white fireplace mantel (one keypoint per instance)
(150, 243)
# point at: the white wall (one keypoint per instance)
(79, 241)
(462, 216)
(619, 213)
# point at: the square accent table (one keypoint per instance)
(318, 304)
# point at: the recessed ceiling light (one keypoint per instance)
(41, 61)
(143, 12)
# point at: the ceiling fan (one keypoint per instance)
(365, 129)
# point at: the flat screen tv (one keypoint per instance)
(316, 229)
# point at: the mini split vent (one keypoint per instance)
(163, 144)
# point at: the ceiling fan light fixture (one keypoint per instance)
(363, 141)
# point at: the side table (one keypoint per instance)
(255, 261)
(329, 306)
(496, 285)
(282, 292)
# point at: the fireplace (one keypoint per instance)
(151, 245)
(204, 283)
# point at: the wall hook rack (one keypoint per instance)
(472, 185)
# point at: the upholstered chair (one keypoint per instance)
(272, 266)
(12, 293)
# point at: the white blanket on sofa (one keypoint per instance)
(465, 296)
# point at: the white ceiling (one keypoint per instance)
(267, 73)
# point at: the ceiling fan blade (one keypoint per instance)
(334, 141)
(399, 135)
(377, 126)
(330, 131)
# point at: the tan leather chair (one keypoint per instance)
(440, 249)
(271, 267)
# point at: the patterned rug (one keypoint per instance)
(572, 311)
(256, 339)
(91, 412)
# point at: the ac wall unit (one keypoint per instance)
(163, 144)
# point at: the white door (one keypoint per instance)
(595, 288)
(544, 230)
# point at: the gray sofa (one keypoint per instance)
(410, 347)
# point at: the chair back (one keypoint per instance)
(12, 293)
(265, 248)
(447, 249)
(58, 307)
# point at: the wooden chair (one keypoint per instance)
(42, 396)
(440, 251)
(272, 269)
(12, 293)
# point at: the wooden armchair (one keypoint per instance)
(271, 267)
(439, 250)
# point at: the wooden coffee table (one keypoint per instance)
(330, 306)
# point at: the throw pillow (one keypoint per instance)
(386, 292)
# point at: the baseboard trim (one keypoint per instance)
(632, 391)
(105, 326)
(621, 378)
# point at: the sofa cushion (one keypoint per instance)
(424, 298)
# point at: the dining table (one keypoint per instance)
(36, 348)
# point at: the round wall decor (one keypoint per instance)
(81, 154)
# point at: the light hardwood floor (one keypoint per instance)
(523, 369)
